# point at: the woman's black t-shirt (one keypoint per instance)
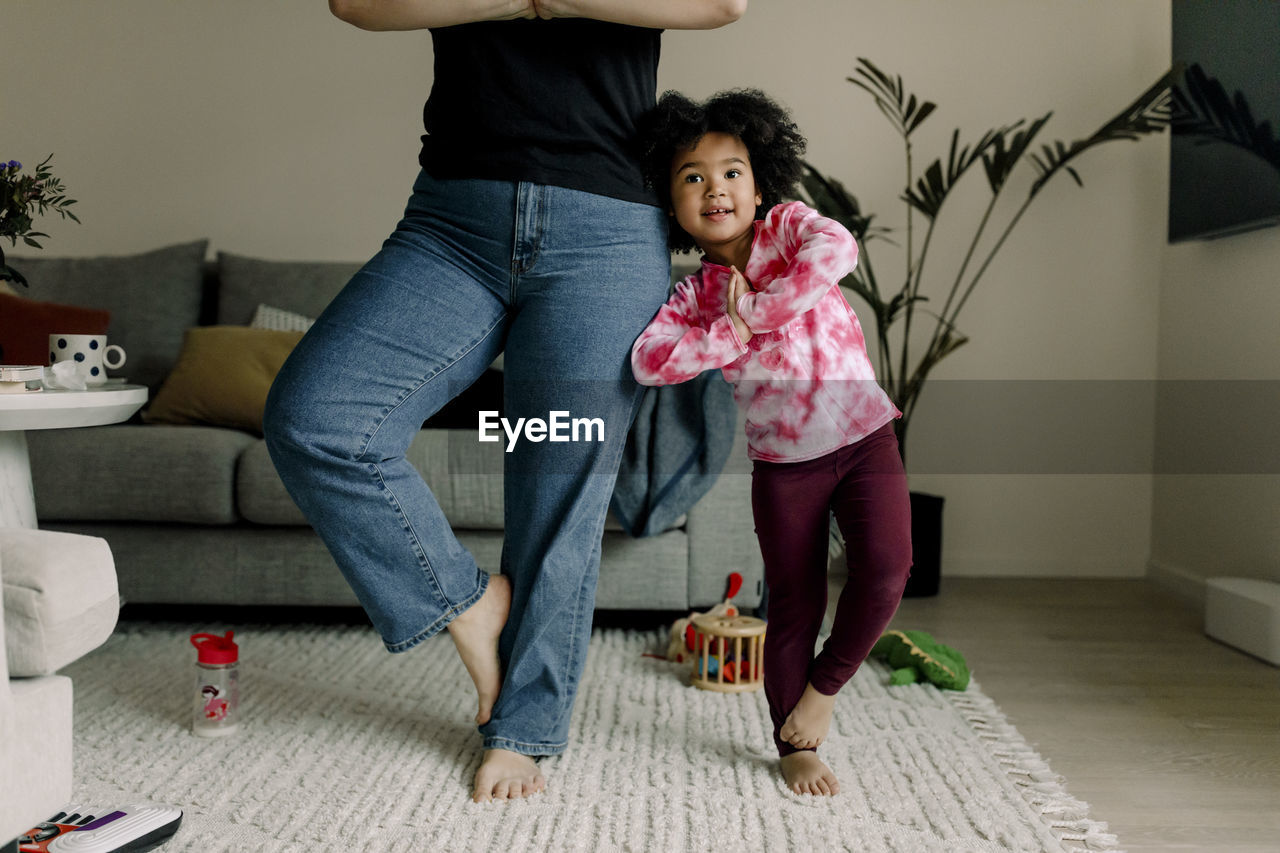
(552, 102)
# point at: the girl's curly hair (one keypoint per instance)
(772, 140)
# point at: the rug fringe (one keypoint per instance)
(1090, 833)
(1039, 785)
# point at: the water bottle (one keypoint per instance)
(217, 699)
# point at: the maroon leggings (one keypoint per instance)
(866, 488)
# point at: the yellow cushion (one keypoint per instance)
(222, 377)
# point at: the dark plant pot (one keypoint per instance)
(926, 545)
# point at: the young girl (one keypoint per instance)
(766, 310)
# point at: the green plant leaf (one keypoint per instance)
(1150, 112)
(830, 198)
(949, 343)
(879, 84)
(937, 181)
(905, 111)
(925, 109)
(897, 305)
(8, 273)
(864, 291)
(1005, 151)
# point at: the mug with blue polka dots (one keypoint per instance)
(90, 353)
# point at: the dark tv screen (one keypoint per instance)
(1224, 163)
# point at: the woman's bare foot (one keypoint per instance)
(806, 773)
(475, 633)
(506, 775)
(807, 725)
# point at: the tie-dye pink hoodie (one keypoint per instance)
(804, 379)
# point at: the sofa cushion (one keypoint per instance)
(645, 574)
(301, 287)
(240, 564)
(26, 324)
(464, 474)
(222, 377)
(270, 317)
(60, 598)
(260, 494)
(156, 473)
(153, 298)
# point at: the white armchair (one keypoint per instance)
(60, 602)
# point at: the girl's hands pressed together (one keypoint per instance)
(738, 285)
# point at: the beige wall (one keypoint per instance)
(276, 131)
(1219, 301)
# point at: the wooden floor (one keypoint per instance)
(1172, 738)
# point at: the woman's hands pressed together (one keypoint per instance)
(384, 15)
(423, 14)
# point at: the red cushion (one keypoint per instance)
(25, 327)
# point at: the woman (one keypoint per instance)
(529, 230)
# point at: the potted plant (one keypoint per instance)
(22, 197)
(915, 331)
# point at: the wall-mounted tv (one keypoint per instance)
(1224, 163)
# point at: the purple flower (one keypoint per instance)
(14, 164)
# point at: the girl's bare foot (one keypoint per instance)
(806, 773)
(506, 775)
(475, 633)
(807, 725)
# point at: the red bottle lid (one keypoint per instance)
(214, 649)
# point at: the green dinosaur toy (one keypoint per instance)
(915, 655)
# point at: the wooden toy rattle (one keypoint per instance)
(728, 653)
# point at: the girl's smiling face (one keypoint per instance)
(714, 197)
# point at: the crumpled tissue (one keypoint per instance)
(65, 376)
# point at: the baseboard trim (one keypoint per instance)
(1183, 583)
(961, 565)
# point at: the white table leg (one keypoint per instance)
(17, 500)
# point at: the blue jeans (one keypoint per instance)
(563, 281)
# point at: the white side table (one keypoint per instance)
(106, 404)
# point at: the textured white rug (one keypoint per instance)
(343, 746)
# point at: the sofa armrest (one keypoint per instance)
(722, 537)
(6, 695)
(60, 598)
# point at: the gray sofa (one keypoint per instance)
(195, 513)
